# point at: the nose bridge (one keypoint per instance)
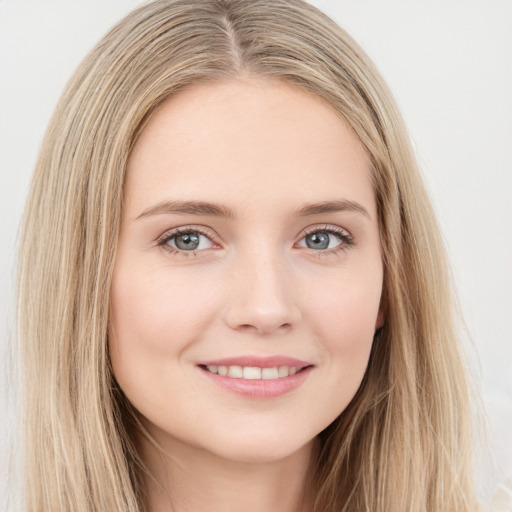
(261, 290)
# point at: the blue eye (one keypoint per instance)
(325, 239)
(187, 241)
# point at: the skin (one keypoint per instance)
(263, 150)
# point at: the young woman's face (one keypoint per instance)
(248, 276)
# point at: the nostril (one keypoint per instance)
(257, 312)
(247, 327)
(259, 327)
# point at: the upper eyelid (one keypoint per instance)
(169, 233)
(326, 227)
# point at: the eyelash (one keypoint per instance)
(346, 238)
(163, 240)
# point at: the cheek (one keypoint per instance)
(154, 320)
(347, 310)
(344, 319)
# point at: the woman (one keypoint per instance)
(232, 289)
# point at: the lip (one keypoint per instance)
(259, 361)
(258, 388)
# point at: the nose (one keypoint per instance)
(263, 295)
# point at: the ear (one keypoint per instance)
(380, 320)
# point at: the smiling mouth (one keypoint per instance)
(253, 372)
(257, 378)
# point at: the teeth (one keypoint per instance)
(235, 372)
(270, 373)
(252, 372)
(283, 371)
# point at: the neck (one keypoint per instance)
(188, 479)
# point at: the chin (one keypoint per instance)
(262, 449)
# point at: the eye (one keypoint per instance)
(325, 239)
(186, 240)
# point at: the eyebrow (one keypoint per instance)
(190, 207)
(330, 207)
(218, 210)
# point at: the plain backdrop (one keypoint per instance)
(449, 64)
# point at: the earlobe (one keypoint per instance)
(383, 310)
(380, 320)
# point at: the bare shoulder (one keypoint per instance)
(502, 499)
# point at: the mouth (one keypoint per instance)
(257, 377)
(253, 372)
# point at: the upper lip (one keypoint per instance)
(258, 362)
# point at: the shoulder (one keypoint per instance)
(502, 499)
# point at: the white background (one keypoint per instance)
(449, 64)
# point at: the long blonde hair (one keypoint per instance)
(403, 443)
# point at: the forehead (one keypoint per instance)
(254, 138)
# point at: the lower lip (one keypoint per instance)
(259, 388)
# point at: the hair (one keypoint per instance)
(403, 443)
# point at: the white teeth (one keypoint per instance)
(283, 371)
(270, 373)
(252, 372)
(235, 372)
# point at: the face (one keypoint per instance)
(248, 276)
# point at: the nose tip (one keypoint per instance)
(262, 323)
(262, 301)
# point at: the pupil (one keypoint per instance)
(317, 241)
(187, 242)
